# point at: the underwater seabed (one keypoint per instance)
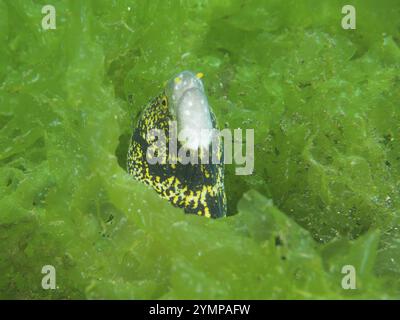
(319, 216)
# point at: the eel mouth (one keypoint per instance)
(189, 107)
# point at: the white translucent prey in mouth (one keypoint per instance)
(189, 105)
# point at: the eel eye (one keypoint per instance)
(164, 101)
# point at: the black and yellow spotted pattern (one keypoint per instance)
(197, 188)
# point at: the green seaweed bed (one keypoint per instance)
(324, 103)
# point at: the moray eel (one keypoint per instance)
(179, 114)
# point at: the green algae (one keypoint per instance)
(324, 105)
